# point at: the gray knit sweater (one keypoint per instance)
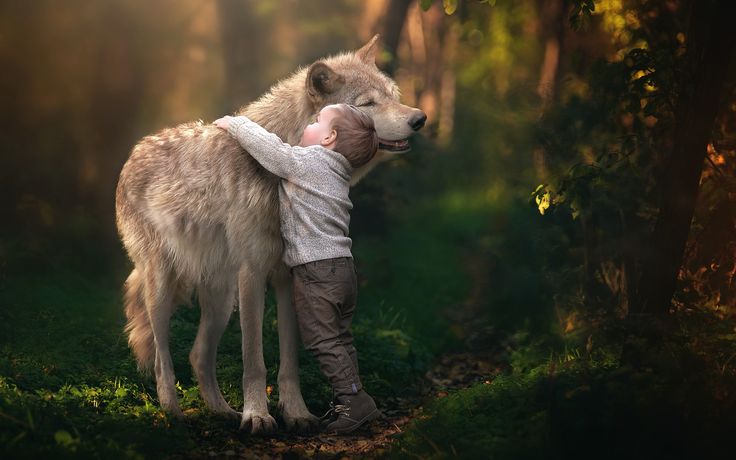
(313, 193)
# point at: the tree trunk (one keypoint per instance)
(105, 122)
(244, 51)
(711, 43)
(393, 24)
(552, 14)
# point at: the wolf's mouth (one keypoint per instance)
(400, 146)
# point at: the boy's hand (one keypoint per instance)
(223, 122)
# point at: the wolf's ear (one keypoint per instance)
(322, 80)
(367, 53)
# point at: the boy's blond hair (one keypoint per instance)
(356, 135)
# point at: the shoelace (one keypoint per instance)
(329, 412)
(335, 409)
(342, 409)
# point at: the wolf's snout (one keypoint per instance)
(416, 121)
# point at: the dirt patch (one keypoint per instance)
(370, 441)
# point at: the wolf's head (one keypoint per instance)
(349, 78)
(353, 78)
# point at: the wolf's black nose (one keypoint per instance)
(416, 121)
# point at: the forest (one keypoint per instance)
(548, 273)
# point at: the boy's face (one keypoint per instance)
(320, 132)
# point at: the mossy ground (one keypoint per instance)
(69, 386)
(452, 266)
(677, 401)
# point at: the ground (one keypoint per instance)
(462, 353)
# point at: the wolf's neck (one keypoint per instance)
(284, 110)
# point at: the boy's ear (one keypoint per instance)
(330, 138)
(322, 81)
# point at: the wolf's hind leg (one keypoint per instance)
(291, 403)
(256, 419)
(159, 290)
(216, 303)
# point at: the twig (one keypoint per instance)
(14, 420)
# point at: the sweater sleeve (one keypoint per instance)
(266, 148)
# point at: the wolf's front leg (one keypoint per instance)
(291, 403)
(256, 418)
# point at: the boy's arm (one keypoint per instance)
(267, 148)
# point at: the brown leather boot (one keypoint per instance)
(352, 412)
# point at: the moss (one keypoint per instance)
(69, 385)
(588, 407)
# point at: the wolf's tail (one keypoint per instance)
(138, 328)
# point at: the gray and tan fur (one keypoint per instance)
(195, 211)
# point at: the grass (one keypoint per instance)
(69, 387)
(677, 403)
(69, 384)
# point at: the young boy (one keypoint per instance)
(315, 214)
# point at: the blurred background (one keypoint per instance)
(83, 81)
(518, 227)
(516, 94)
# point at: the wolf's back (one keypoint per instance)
(186, 193)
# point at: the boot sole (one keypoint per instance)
(370, 417)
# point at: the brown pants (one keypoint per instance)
(325, 292)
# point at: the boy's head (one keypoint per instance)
(346, 130)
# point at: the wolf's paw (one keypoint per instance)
(296, 416)
(303, 423)
(176, 414)
(172, 410)
(258, 423)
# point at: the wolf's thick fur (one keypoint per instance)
(194, 210)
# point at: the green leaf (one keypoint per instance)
(543, 201)
(65, 439)
(450, 6)
(425, 4)
(121, 392)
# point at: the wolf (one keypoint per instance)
(196, 213)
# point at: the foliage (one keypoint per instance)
(621, 124)
(614, 130)
(586, 404)
(581, 12)
(592, 388)
(708, 271)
